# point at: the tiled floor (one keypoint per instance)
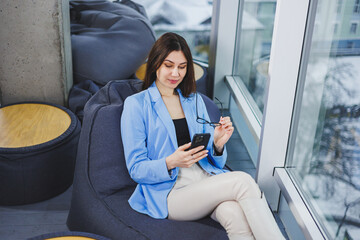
(238, 157)
(22, 222)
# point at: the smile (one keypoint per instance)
(173, 81)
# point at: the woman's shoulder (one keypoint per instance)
(137, 98)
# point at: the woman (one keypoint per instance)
(174, 182)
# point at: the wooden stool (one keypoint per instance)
(200, 76)
(25, 125)
(38, 145)
(69, 236)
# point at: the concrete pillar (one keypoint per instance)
(35, 51)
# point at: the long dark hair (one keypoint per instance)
(167, 43)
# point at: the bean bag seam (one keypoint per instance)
(36, 151)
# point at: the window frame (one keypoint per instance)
(221, 61)
(289, 48)
(285, 143)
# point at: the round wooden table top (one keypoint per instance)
(140, 73)
(24, 125)
(71, 238)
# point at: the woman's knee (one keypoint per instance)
(246, 182)
(227, 212)
(232, 218)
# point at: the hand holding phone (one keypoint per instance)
(187, 155)
(200, 139)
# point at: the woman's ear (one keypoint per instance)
(157, 73)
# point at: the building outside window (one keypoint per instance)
(353, 28)
(357, 6)
(256, 22)
(336, 25)
(324, 158)
(339, 6)
(350, 45)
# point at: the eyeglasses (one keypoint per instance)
(204, 121)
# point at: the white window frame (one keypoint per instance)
(221, 61)
(285, 59)
(290, 48)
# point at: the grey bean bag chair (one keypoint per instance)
(102, 185)
(109, 40)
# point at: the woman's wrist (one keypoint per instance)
(169, 164)
(218, 149)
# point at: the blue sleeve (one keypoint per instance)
(218, 161)
(133, 133)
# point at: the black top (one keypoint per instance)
(182, 131)
(183, 135)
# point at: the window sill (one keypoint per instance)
(250, 115)
(301, 212)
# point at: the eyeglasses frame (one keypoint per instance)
(204, 121)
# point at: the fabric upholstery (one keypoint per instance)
(110, 40)
(79, 94)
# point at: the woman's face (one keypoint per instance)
(172, 71)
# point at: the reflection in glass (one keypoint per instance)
(325, 161)
(188, 18)
(253, 46)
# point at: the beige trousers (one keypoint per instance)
(221, 196)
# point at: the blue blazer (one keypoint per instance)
(148, 135)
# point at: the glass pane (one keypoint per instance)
(188, 18)
(253, 47)
(325, 161)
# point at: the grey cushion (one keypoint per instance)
(109, 40)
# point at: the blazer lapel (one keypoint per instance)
(189, 108)
(162, 112)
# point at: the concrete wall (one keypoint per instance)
(35, 51)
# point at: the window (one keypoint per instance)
(357, 6)
(339, 6)
(324, 160)
(350, 44)
(353, 28)
(336, 25)
(190, 19)
(255, 28)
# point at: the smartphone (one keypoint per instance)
(200, 139)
